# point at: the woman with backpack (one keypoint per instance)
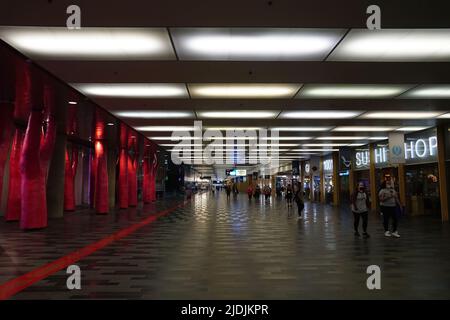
(360, 205)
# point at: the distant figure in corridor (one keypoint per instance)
(289, 195)
(388, 205)
(257, 191)
(360, 207)
(228, 191)
(250, 192)
(235, 190)
(267, 191)
(298, 198)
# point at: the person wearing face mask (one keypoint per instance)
(360, 207)
(388, 204)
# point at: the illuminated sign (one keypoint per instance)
(240, 172)
(328, 165)
(307, 167)
(421, 148)
(418, 148)
(362, 158)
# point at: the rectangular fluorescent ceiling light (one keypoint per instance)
(394, 45)
(445, 116)
(411, 128)
(133, 90)
(428, 92)
(243, 90)
(238, 114)
(255, 44)
(400, 115)
(155, 114)
(233, 128)
(164, 128)
(59, 43)
(316, 150)
(302, 129)
(325, 114)
(324, 144)
(341, 138)
(286, 138)
(356, 144)
(174, 138)
(363, 129)
(360, 91)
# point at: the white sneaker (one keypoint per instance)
(387, 234)
(395, 234)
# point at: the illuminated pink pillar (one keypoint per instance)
(123, 167)
(101, 197)
(37, 151)
(6, 131)
(132, 170)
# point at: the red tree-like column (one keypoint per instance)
(37, 151)
(146, 179)
(101, 199)
(13, 202)
(123, 167)
(132, 170)
(21, 112)
(6, 131)
(71, 162)
(153, 171)
(69, 178)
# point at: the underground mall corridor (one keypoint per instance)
(213, 248)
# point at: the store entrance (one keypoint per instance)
(422, 190)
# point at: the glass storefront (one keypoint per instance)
(422, 189)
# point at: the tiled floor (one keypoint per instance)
(218, 249)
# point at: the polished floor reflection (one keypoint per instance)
(214, 248)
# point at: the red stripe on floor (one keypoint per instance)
(20, 283)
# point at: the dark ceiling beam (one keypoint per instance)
(231, 13)
(250, 71)
(115, 104)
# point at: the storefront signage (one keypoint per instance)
(307, 168)
(362, 157)
(295, 168)
(396, 147)
(421, 147)
(328, 165)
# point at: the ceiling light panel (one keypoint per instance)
(325, 114)
(155, 114)
(394, 45)
(243, 90)
(400, 115)
(238, 114)
(324, 144)
(133, 90)
(342, 138)
(411, 128)
(428, 92)
(359, 91)
(60, 43)
(302, 129)
(255, 44)
(363, 129)
(164, 128)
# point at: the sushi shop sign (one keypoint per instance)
(421, 147)
(417, 148)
